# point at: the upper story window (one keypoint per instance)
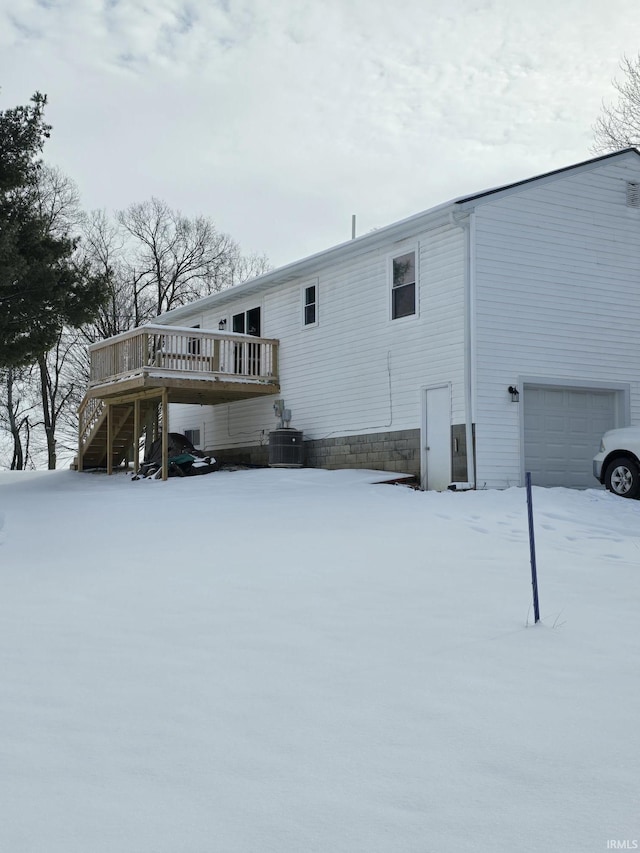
(403, 286)
(310, 305)
(247, 357)
(247, 322)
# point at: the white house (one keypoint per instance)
(469, 343)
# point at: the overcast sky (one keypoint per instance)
(280, 118)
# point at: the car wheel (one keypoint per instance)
(623, 478)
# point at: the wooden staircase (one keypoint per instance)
(94, 434)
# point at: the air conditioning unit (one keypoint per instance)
(286, 448)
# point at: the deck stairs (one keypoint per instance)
(94, 435)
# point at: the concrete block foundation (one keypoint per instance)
(397, 451)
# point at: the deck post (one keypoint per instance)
(79, 459)
(165, 434)
(136, 435)
(109, 438)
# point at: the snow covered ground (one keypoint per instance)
(297, 661)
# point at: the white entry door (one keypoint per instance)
(436, 438)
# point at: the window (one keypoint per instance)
(310, 305)
(238, 323)
(247, 356)
(193, 435)
(403, 286)
(248, 322)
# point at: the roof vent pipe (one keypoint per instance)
(353, 226)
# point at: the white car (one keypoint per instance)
(617, 466)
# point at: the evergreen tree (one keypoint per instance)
(42, 286)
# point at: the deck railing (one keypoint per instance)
(89, 414)
(196, 353)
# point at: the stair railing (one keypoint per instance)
(89, 414)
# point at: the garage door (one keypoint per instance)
(562, 431)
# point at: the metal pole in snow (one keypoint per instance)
(532, 548)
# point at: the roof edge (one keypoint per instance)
(582, 165)
(433, 217)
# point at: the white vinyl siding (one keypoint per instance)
(358, 372)
(557, 295)
(554, 279)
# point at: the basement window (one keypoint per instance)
(193, 435)
(403, 285)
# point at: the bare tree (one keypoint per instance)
(61, 387)
(57, 201)
(153, 259)
(173, 260)
(55, 377)
(103, 247)
(242, 268)
(618, 126)
(17, 412)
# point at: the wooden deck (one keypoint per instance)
(157, 365)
